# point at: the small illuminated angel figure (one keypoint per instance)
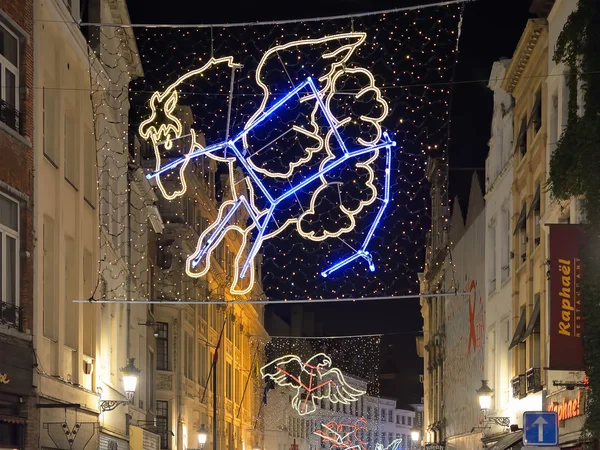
(325, 154)
(342, 436)
(313, 379)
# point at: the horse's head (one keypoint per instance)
(162, 126)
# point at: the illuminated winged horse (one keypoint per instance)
(327, 153)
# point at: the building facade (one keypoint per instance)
(454, 330)
(498, 215)
(568, 397)
(88, 194)
(430, 346)
(19, 417)
(525, 82)
(187, 335)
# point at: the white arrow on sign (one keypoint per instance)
(530, 447)
(540, 422)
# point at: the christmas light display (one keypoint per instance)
(410, 56)
(324, 139)
(394, 445)
(342, 436)
(314, 379)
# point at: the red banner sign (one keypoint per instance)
(566, 325)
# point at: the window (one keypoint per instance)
(88, 325)
(49, 282)
(403, 420)
(188, 355)
(203, 311)
(505, 248)
(522, 138)
(521, 233)
(383, 415)
(202, 363)
(71, 148)
(492, 257)
(90, 172)
(238, 336)
(409, 420)
(229, 263)
(238, 386)
(228, 380)
(71, 293)
(391, 416)
(398, 420)
(9, 77)
(229, 327)
(536, 211)
(536, 113)
(368, 412)
(162, 346)
(162, 422)
(9, 261)
(150, 379)
(51, 102)
(213, 317)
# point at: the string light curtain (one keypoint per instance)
(410, 54)
(331, 424)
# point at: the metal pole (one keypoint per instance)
(215, 401)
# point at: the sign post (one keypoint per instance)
(540, 429)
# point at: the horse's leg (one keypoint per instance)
(211, 238)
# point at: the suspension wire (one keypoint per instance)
(260, 23)
(272, 302)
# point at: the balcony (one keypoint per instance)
(11, 117)
(11, 315)
(533, 377)
(518, 384)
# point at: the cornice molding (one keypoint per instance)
(529, 39)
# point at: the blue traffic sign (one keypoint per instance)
(540, 428)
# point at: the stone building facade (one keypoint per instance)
(19, 417)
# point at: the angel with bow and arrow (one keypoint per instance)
(328, 156)
(313, 380)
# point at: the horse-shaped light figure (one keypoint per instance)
(266, 194)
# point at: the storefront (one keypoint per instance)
(110, 442)
(16, 379)
(570, 407)
(142, 439)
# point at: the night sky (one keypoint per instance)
(491, 30)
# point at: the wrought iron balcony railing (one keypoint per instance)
(11, 116)
(534, 382)
(11, 315)
(518, 386)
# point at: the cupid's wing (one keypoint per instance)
(337, 389)
(284, 371)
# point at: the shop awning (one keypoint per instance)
(506, 442)
(535, 204)
(534, 321)
(522, 218)
(12, 419)
(518, 336)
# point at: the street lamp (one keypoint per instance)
(202, 436)
(485, 403)
(130, 375)
(485, 396)
(415, 434)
